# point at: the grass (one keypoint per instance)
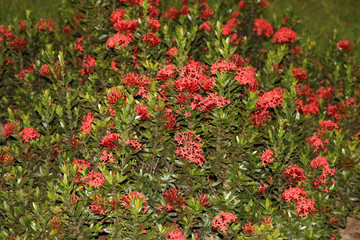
(11, 9)
(317, 18)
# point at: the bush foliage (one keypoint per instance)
(133, 119)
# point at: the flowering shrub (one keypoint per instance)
(131, 119)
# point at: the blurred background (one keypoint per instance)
(316, 18)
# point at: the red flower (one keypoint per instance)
(284, 35)
(119, 39)
(106, 157)
(88, 65)
(328, 124)
(67, 29)
(293, 194)
(264, 4)
(142, 111)
(222, 220)
(262, 188)
(345, 46)
(45, 70)
(96, 206)
(223, 66)
(86, 125)
(166, 72)
(172, 52)
(19, 43)
(115, 96)
(249, 229)
(154, 24)
(78, 45)
(305, 206)
(316, 142)
(151, 39)
(205, 27)
(263, 28)
(133, 2)
(29, 134)
(174, 197)
(109, 140)
(242, 5)
(294, 173)
(299, 74)
(9, 129)
(266, 221)
(202, 199)
(126, 26)
(206, 12)
(95, 179)
(134, 144)
(117, 15)
(229, 26)
(190, 148)
(266, 157)
(133, 79)
(81, 164)
(128, 200)
(175, 235)
(246, 76)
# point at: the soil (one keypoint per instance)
(352, 230)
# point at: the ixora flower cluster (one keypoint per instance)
(132, 119)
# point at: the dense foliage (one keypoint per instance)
(133, 119)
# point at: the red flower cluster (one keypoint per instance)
(133, 79)
(48, 24)
(168, 71)
(246, 76)
(45, 70)
(294, 173)
(9, 129)
(263, 28)
(299, 74)
(94, 179)
(328, 124)
(173, 198)
(143, 112)
(248, 228)
(88, 65)
(119, 39)
(229, 27)
(304, 205)
(106, 157)
(151, 39)
(134, 144)
(270, 99)
(316, 142)
(345, 46)
(284, 35)
(262, 188)
(193, 78)
(202, 199)
(175, 235)
(86, 125)
(267, 157)
(110, 140)
(115, 96)
(129, 199)
(190, 148)
(29, 134)
(96, 206)
(222, 220)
